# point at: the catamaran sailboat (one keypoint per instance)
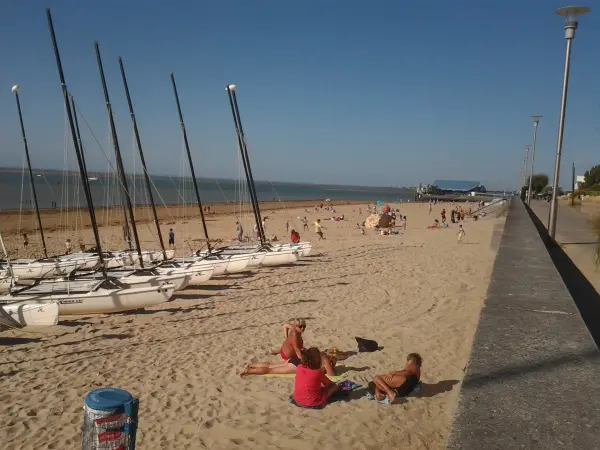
(22, 314)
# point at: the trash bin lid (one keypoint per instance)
(107, 398)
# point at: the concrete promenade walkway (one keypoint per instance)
(533, 379)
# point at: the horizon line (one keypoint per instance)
(92, 173)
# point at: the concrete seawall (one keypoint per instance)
(533, 378)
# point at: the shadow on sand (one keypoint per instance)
(18, 340)
(431, 390)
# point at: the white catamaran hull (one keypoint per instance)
(18, 315)
(234, 262)
(178, 280)
(100, 301)
(149, 257)
(38, 269)
(196, 276)
(196, 263)
(273, 257)
(280, 257)
(84, 261)
(304, 248)
(5, 281)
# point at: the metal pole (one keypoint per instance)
(143, 160)
(79, 135)
(526, 163)
(31, 179)
(82, 171)
(570, 33)
(573, 186)
(189, 155)
(245, 155)
(120, 168)
(257, 218)
(536, 121)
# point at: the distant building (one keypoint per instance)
(579, 180)
(458, 187)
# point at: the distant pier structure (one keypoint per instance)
(454, 190)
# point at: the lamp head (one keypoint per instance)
(571, 13)
(231, 87)
(16, 88)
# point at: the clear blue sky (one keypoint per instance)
(352, 92)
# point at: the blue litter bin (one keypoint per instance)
(110, 420)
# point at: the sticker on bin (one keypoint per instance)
(111, 423)
(112, 440)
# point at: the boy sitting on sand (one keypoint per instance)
(399, 383)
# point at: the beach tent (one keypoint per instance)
(372, 221)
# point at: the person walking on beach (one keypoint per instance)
(430, 207)
(461, 234)
(287, 226)
(305, 224)
(443, 215)
(319, 229)
(68, 246)
(171, 238)
(239, 231)
(25, 240)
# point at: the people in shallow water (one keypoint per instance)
(398, 383)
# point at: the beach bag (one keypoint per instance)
(366, 345)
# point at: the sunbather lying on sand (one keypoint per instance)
(399, 383)
(287, 367)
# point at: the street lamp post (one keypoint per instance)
(570, 13)
(536, 121)
(527, 147)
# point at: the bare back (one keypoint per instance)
(292, 342)
(396, 379)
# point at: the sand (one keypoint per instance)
(421, 291)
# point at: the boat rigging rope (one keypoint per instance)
(21, 202)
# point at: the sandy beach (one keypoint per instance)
(420, 291)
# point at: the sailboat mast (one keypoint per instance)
(76, 121)
(84, 180)
(15, 89)
(189, 155)
(139, 146)
(244, 152)
(120, 169)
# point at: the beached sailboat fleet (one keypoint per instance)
(37, 291)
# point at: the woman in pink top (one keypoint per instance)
(312, 388)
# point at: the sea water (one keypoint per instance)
(57, 190)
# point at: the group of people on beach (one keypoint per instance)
(313, 369)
